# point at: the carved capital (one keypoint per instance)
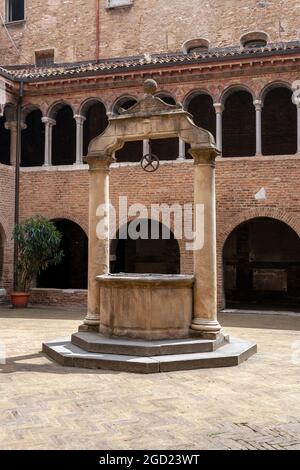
(219, 108)
(48, 121)
(79, 119)
(98, 163)
(13, 125)
(204, 156)
(258, 105)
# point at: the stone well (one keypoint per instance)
(151, 323)
(149, 306)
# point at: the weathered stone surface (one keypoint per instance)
(67, 354)
(97, 343)
(146, 307)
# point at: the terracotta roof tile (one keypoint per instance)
(32, 73)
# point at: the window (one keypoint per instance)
(195, 45)
(44, 58)
(15, 10)
(118, 3)
(254, 39)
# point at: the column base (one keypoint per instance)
(207, 329)
(88, 328)
(90, 323)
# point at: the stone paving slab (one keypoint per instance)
(46, 406)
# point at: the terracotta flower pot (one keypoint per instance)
(19, 299)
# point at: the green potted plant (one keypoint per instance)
(38, 243)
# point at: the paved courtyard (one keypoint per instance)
(46, 406)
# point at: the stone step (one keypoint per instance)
(97, 343)
(67, 354)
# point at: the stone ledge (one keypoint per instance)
(69, 355)
(97, 343)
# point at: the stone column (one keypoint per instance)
(12, 127)
(205, 258)
(98, 257)
(219, 110)
(146, 147)
(298, 128)
(181, 155)
(258, 107)
(49, 123)
(79, 137)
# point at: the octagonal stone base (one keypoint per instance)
(94, 351)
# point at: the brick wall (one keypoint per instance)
(7, 183)
(64, 194)
(146, 27)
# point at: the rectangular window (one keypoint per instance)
(15, 10)
(118, 3)
(44, 58)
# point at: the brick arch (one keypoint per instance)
(151, 217)
(71, 217)
(240, 218)
(271, 85)
(233, 88)
(56, 106)
(272, 213)
(193, 93)
(87, 103)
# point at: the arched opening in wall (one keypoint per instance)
(71, 273)
(279, 123)
(33, 140)
(262, 265)
(239, 138)
(123, 103)
(157, 254)
(95, 123)
(201, 107)
(2, 238)
(4, 142)
(64, 137)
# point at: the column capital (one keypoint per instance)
(219, 108)
(258, 104)
(12, 125)
(204, 157)
(47, 120)
(101, 162)
(79, 119)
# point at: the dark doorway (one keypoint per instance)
(71, 273)
(64, 137)
(95, 123)
(279, 123)
(4, 142)
(33, 140)
(156, 256)
(239, 125)
(262, 265)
